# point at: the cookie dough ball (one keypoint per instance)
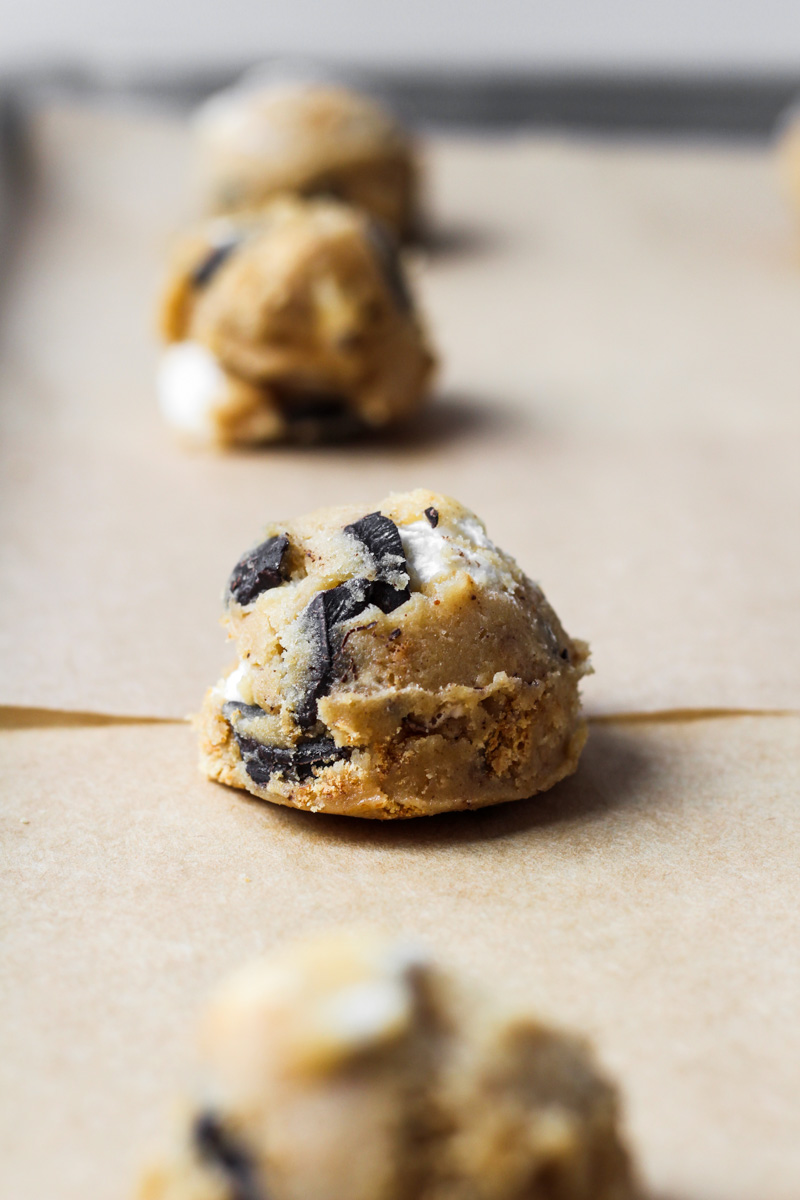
(309, 139)
(294, 323)
(392, 662)
(354, 1066)
(788, 151)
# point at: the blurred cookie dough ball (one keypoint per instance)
(788, 152)
(392, 662)
(354, 1066)
(313, 139)
(295, 322)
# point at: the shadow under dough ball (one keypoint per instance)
(294, 323)
(354, 1066)
(309, 139)
(392, 662)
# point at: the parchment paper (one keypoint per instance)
(650, 901)
(619, 401)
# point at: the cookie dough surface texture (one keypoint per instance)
(308, 139)
(392, 662)
(293, 323)
(353, 1066)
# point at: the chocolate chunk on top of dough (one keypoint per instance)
(218, 1148)
(433, 516)
(258, 570)
(380, 536)
(322, 616)
(385, 597)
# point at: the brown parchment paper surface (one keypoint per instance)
(619, 401)
(650, 901)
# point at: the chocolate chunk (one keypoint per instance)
(565, 655)
(330, 609)
(213, 261)
(217, 1147)
(247, 711)
(297, 763)
(319, 671)
(343, 602)
(302, 404)
(380, 536)
(386, 597)
(327, 611)
(388, 258)
(311, 415)
(433, 516)
(322, 615)
(259, 570)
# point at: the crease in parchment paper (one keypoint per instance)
(22, 717)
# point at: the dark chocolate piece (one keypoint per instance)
(259, 570)
(329, 609)
(314, 415)
(247, 711)
(380, 536)
(388, 256)
(325, 612)
(343, 602)
(217, 1147)
(213, 261)
(297, 763)
(319, 670)
(433, 516)
(386, 597)
(301, 404)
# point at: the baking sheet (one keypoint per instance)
(650, 901)
(618, 401)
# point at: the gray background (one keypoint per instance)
(718, 36)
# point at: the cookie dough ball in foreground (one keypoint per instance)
(309, 139)
(392, 662)
(352, 1066)
(295, 323)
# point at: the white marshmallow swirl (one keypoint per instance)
(190, 384)
(461, 545)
